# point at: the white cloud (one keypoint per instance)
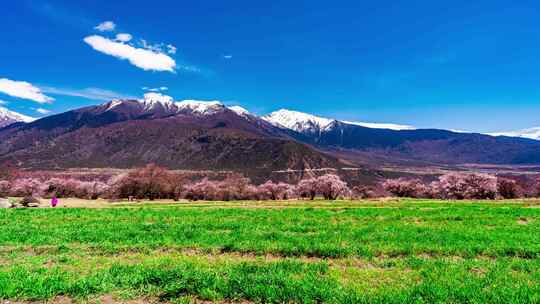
(107, 26)
(171, 49)
(157, 47)
(145, 59)
(123, 37)
(23, 89)
(155, 89)
(88, 93)
(42, 111)
(190, 68)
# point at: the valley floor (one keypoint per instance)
(380, 251)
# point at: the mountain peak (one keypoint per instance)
(303, 122)
(200, 106)
(297, 121)
(239, 110)
(153, 98)
(163, 104)
(8, 117)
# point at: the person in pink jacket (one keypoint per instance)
(54, 201)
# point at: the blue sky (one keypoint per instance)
(467, 65)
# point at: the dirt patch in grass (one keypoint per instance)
(480, 271)
(523, 221)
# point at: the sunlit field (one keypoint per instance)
(377, 251)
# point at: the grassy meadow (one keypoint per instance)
(384, 251)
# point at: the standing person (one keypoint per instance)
(54, 201)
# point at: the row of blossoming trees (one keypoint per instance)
(154, 182)
(459, 186)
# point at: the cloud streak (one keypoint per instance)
(107, 26)
(142, 58)
(155, 89)
(24, 90)
(42, 111)
(87, 93)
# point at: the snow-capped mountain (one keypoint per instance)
(240, 111)
(298, 121)
(154, 100)
(531, 133)
(157, 103)
(200, 107)
(160, 105)
(307, 123)
(8, 117)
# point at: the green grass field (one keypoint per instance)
(391, 251)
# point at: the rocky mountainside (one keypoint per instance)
(180, 135)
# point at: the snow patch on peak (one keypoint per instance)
(302, 122)
(297, 121)
(373, 125)
(154, 98)
(200, 107)
(8, 117)
(239, 110)
(113, 104)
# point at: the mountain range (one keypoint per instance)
(201, 135)
(532, 133)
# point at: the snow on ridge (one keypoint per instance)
(152, 99)
(200, 106)
(294, 120)
(297, 121)
(531, 133)
(8, 115)
(374, 125)
(114, 103)
(239, 110)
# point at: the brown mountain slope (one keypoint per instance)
(127, 137)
